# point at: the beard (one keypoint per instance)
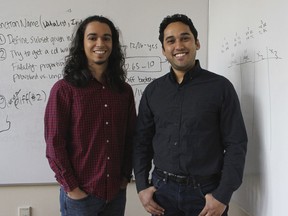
(100, 62)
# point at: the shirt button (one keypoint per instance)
(105, 105)
(106, 123)
(175, 143)
(108, 158)
(103, 87)
(107, 141)
(108, 175)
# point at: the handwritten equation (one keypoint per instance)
(241, 49)
(238, 39)
(257, 56)
(21, 98)
(143, 64)
(140, 45)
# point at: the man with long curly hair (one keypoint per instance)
(89, 122)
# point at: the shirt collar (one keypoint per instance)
(192, 73)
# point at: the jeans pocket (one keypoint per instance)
(76, 200)
(157, 181)
(78, 207)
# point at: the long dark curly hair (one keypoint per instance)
(76, 69)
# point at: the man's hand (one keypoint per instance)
(146, 198)
(77, 194)
(213, 207)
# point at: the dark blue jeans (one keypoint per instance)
(92, 205)
(181, 199)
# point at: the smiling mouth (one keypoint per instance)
(179, 55)
(99, 51)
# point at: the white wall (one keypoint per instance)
(246, 46)
(44, 201)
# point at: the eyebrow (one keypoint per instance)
(182, 34)
(186, 33)
(95, 34)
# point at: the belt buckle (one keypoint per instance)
(179, 179)
(190, 180)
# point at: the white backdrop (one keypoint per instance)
(248, 45)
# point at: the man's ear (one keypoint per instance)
(197, 44)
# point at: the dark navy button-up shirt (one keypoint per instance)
(192, 128)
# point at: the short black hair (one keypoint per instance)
(176, 18)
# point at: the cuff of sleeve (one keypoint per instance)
(223, 195)
(141, 185)
(68, 184)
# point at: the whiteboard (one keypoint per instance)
(247, 43)
(34, 38)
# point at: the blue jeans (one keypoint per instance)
(92, 205)
(181, 199)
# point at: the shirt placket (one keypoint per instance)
(107, 119)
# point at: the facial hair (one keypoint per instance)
(100, 62)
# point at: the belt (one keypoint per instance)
(195, 180)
